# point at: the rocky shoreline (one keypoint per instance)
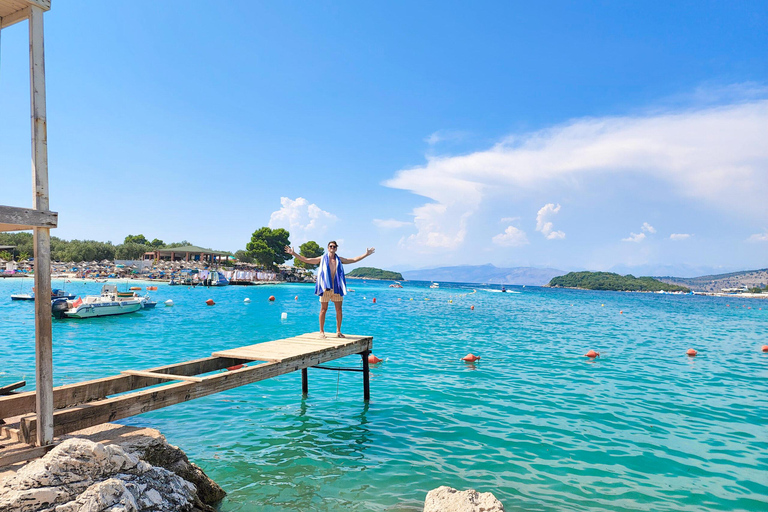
(116, 468)
(110, 468)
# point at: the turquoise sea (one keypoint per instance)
(643, 427)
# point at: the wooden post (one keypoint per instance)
(366, 379)
(304, 382)
(41, 236)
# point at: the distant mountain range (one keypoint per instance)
(490, 274)
(715, 283)
(679, 270)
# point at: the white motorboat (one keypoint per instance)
(106, 304)
(435, 285)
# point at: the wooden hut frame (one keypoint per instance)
(39, 219)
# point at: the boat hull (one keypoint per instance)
(104, 309)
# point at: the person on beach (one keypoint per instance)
(331, 284)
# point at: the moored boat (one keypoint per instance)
(107, 304)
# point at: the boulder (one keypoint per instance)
(447, 499)
(80, 475)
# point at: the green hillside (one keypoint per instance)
(613, 282)
(375, 273)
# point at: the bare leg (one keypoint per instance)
(338, 319)
(323, 311)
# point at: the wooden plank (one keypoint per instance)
(14, 17)
(165, 376)
(24, 454)
(41, 235)
(111, 409)
(16, 219)
(82, 392)
(10, 387)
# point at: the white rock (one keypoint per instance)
(80, 475)
(447, 499)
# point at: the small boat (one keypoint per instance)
(56, 293)
(435, 285)
(106, 304)
(503, 289)
(396, 285)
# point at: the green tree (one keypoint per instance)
(309, 249)
(23, 256)
(267, 246)
(173, 245)
(136, 239)
(243, 256)
(131, 251)
(5, 255)
(156, 243)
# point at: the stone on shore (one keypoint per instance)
(137, 472)
(447, 499)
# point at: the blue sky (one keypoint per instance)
(576, 135)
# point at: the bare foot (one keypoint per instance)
(339, 335)
(322, 334)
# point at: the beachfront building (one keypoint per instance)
(39, 218)
(188, 253)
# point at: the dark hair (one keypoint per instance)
(332, 242)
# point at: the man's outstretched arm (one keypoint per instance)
(368, 252)
(308, 261)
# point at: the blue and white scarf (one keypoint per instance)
(339, 284)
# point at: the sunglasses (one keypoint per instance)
(332, 246)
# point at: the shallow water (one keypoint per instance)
(643, 427)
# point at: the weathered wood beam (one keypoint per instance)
(82, 392)
(111, 409)
(162, 376)
(15, 17)
(24, 454)
(17, 219)
(5, 390)
(41, 235)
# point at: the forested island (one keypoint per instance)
(613, 282)
(375, 273)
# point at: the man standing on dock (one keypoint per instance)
(331, 284)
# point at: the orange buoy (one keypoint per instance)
(236, 367)
(210, 302)
(470, 358)
(621, 312)
(296, 298)
(592, 354)
(271, 298)
(765, 348)
(135, 288)
(691, 352)
(372, 359)
(374, 300)
(472, 308)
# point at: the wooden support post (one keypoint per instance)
(41, 236)
(304, 382)
(366, 377)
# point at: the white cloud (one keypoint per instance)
(391, 223)
(507, 220)
(647, 228)
(303, 220)
(511, 237)
(759, 237)
(679, 236)
(544, 225)
(444, 135)
(715, 155)
(634, 237)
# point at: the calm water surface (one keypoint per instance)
(644, 427)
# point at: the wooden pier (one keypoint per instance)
(85, 404)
